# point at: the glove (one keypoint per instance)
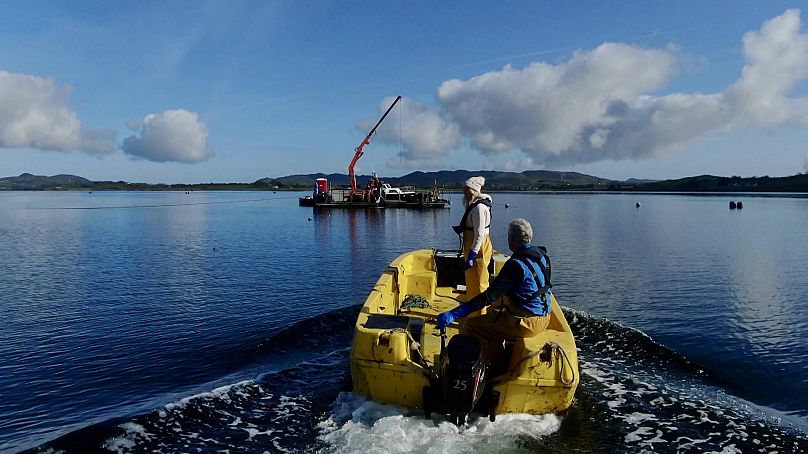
(457, 229)
(470, 260)
(446, 318)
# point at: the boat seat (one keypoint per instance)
(421, 284)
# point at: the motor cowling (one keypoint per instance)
(463, 374)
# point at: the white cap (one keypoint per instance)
(475, 183)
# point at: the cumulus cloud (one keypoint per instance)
(548, 108)
(34, 114)
(602, 104)
(422, 131)
(173, 135)
(776, 61)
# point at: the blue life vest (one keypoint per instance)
(532, 293)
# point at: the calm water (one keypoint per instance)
(143, 322)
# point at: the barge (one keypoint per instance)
(377, 194)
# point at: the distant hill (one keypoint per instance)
(448, 179)
(711, 183)
(639, 181)
(533, 179)
(27, 182)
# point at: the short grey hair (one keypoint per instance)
(520, 230)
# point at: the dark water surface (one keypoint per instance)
(144, 322)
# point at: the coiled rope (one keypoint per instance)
(414, 302)
(564, 360)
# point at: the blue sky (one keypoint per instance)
(186, 92)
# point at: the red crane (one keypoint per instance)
(359, 152)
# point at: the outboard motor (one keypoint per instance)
(462, 376)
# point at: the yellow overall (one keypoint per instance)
(504, 321)
(477, 275)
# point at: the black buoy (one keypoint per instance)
(507, 206)
(739, 205)
(732, 205)
(637, 204)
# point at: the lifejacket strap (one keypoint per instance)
(465, 217)
(542, 292)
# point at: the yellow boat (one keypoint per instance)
(399, 357)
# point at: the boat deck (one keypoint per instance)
(446, 299)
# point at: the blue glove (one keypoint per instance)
(446, 318)
(470, 261)
(457, 229)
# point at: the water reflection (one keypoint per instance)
(114, 307)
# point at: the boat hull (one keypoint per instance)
(396, 347)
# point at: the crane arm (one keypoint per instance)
(360, 149)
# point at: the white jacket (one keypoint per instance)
(479, 219)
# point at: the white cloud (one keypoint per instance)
(173, 135)
(548, 108)
(776, 61)
(423, 133)
(601, 104)
(34, 114)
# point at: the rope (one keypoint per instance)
(530, 356)
(414, 301)
(565, 360)
(416, 347)
(559, 352)
(450, 297)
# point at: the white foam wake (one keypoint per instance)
(359, 425)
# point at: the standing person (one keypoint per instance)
(474, 226)
(521, 293)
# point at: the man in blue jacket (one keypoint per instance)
(520, 295)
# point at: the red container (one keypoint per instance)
(322, 186)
